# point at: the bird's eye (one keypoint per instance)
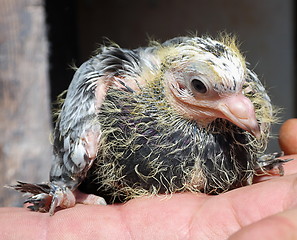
(199, 86)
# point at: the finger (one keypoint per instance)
(288, 136)
(279, 226)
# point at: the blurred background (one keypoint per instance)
(41, 39)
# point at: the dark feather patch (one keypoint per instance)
(160, 157)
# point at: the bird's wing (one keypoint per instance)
(77, 131)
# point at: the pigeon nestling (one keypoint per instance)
(185, 115)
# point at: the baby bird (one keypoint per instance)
(185, 115)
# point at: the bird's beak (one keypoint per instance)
(239, 110)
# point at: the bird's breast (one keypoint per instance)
(146, 148)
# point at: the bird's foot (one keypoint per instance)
(46, 197)
(271, 164)
(88, 199)
(39, 203)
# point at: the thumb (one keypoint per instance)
(288, 137)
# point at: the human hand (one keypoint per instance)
(266, 209)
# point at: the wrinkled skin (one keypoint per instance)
(266, 210)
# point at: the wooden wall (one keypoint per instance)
(24, 99)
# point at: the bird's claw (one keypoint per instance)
(271, 164)
(39, 202)
(46, 197)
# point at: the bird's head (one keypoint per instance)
(204, 81)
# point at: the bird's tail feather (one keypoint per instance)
(31, 187)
